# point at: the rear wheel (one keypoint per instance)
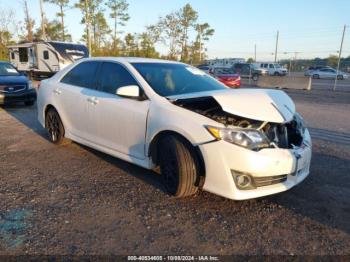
(276, 74)
(340, 77)
(178, 166)
(54, 126)
(316, 76)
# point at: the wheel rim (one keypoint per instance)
(53, 127)
(170, 171)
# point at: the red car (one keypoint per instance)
(226, 76)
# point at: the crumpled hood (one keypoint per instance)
(258, 104)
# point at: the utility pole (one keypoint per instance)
(340, 51)
(200, 44)
(43, 33)
(255, 53)
(276, 46)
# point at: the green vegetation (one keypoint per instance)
(180, 31)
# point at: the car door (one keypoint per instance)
(325, 73)
(73, 94)
(332, 73)
(118, 123)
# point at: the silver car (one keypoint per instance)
(328, 73)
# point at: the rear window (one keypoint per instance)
(46, 54)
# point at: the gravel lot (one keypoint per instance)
(73, 200)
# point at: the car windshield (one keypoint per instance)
(8, 70)
(277, 66)
(223, 71)
(169, 79)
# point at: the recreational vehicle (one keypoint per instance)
(224, 62)
(45, 58)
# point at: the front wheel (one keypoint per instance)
(178, 166)
(54, 126)
(316, 76)
(340, 77)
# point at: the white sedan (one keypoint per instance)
(328, 73)
(239, 144)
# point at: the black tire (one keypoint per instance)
(29, 103)
(340, 77)
(255, 77)
(54, 126)
(276, 74)
(178, 165)
(316, 76)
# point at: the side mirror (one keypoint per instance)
(132, 91)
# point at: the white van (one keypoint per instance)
(274, 69)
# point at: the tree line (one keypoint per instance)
(104, 20)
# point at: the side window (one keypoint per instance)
(46, 54)
(113, 76)
(271, 66)
(82, 75)
(265, 65)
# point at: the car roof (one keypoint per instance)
(131, 60)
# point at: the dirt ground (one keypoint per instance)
(72, 200)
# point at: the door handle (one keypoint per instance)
(57, 91)
(93, 100)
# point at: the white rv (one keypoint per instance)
(224, 62)
(45, 58)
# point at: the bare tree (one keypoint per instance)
(28, 21)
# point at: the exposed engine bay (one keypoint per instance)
(287, 135)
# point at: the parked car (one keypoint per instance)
(329, 73)
(204, 68)
(239, 144)
(14, 86)
(274, 69)
(247, 70)
(311, 69)
(226, 76)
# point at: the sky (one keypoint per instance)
(307, 28)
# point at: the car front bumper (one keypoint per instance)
(221, 158)
(28, 95)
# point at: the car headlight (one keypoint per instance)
(248, 138)
(30, 85)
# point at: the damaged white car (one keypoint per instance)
(239, 144)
